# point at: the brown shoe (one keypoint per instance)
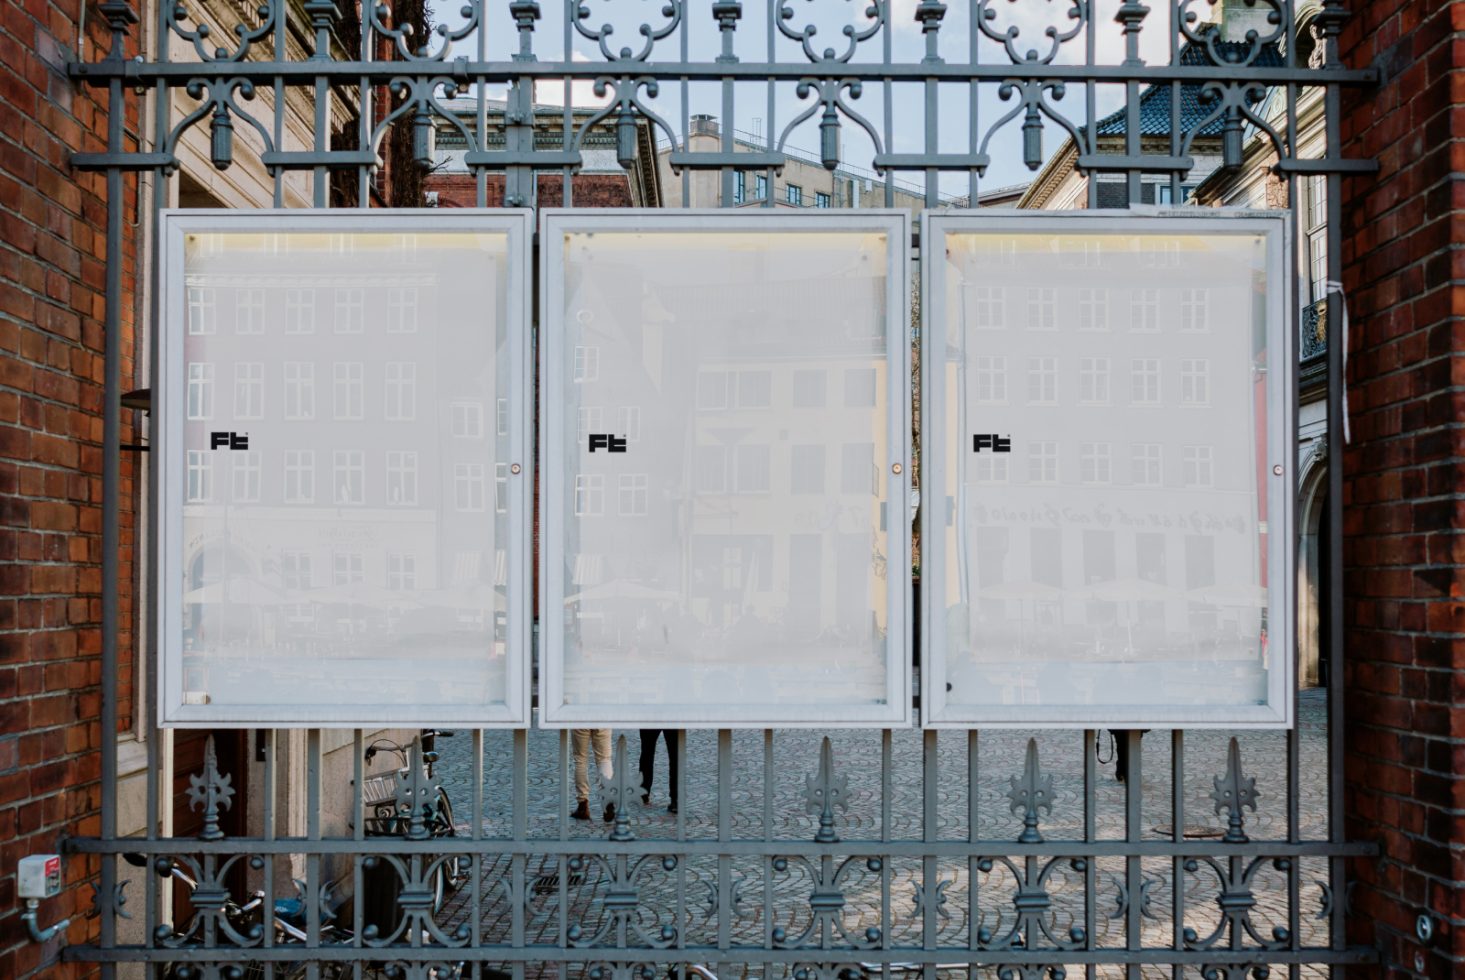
(582, 812)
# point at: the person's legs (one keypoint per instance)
(671, 736)
(600, 738)
(648, 761)
(580, 749)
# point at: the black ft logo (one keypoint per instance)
(992, 441)
(228, 440)
(610, 443)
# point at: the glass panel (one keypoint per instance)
(341, 561)
(728, 566)
(1120, 572)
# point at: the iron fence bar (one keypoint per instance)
(1133, 832)
(1177, 824)
(930, 869)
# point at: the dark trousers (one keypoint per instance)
(1121, 753)
(648, 759)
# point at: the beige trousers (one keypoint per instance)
(581, 740)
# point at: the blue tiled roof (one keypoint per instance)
(1154, 101)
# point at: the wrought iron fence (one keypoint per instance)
(912, 853)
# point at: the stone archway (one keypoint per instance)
(1312, 504)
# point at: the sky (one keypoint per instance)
(751, 113)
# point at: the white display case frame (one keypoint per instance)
(897, 711)
(169, 393)
(1281, 467)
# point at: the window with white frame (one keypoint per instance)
(202, 310)
(1144, 376)
(587, 363)
(401, 571)
(249, 390)
(590, 494)
(200, 390)
(1094, 463)
(1093, 309)
(753, 474)
(300, 311)
(401, 478)
(628, 422)
(1194, 307)
(200, 476)
(348, 388)
(249, 310)
(1043, 462)
(588, 419)
(401, 386)
(1163, 253)
(1316, 220)
(467, 420)
(244, 470)
(502, 416)
(501, 488)
(1042, 308)
(299, 390)
(989, 468)
(1042, 381)
(1196, 466)
(1093, 380)
(1144, 311)
(348, 567)
(987, 307)
(1195, 381)
(299, 476)
(401, 309)
(990, 380)
(633, 493)
(350, 310)
(349, 477)
(1146, 459)
(295, 572)
(1081, 252)
(468, 486)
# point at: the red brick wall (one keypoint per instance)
(1403, 514)
(52, 269)
(590, 190)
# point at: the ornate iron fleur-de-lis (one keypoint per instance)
(1234, 792)
(1031, 792)
(620, 789)
(416, 793)
(211, 792)
(824, 791)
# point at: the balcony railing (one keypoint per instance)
(1315, 330)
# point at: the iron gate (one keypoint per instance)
(792, 854)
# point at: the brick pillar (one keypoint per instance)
(1404, 267)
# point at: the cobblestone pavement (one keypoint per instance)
(568, 894)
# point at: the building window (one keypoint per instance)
(348, 568)
(401, 391)
(857, 468)
(587, 363)
(467, 420)
(200, 476)
(713, 390)
(202, 310)
(1043, 462)
(809, 389)
(991, 380)
(1197, 466)
(760, 187)
(245, 472)
(989, 468)
(348, 387)
(249, 311)
(1042, 381)
(588, 419)
(821, 199)
(753, 469)
(350, 309)
(401, 478)
(628, 422)
(299, 476)
(589, 495)
(1195, 381)
(299, 390)
(401, 572)
(1316, 218)
(1144, 311)
(295, 574)
(1093, 463)
(1093, 380)
(1093, 309)
(794, 194)
(1145, 381)
(1194, 305)
(501, 488)
(200, 390)
(986, 307)
(1081, 252)
(806, 469)
(740, 186)
(633, 492)
(755, 389)
(468, 488)
(1042, 309)
(349, 477)
(502, 416)
(402, 309)
(859, 388)
(249, 390)
(299, 311)
(1145, 457)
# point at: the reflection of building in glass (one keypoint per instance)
(1124, 526)
(354, 522)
